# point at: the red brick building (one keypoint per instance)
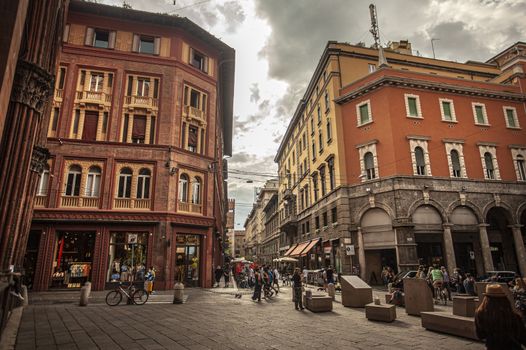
(141, 121)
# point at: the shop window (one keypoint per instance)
(72, 259)
(196, 191)
(125, 182)
(143, 184)
(93, 182)
(455, 164)
(187, 259)
(369, 166)
(73, 181)
(127, 257)
(183, 188)
(43, 182)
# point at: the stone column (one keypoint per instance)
(361, 254)
(449, 249)
(484, 245)
(519, 248)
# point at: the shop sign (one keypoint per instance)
(133, 238)
(347, 240)
(349, 249)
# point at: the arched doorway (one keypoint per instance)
(379, 244)
(429, 234)
(466, 242)
(501, 241)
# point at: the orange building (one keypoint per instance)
(141, 121)
(429, 158)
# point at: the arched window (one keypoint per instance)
(93, 182)
(183, 188)
(125, 182)
(420, 162)
(369, 165)
(490, 171)
(43, 182)
(521, 168)
(196, 191)
(455, 163)
(143, 184)
(73, 181)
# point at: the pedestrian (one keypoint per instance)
(298, 288)
(226, 273)
(276, 280)
(446, 281)
(384, 275)
(458, 280)
(330, 275)
(421, 273)
(519, 296)
(257, 286)
(150, 278)
(497, 323)
(469, 284)
(217, 274)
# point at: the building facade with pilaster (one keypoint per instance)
(426, 167)
(140, 122)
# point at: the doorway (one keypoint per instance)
(188, 259)
(465, 258)
(30, 259)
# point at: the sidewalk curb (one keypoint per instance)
(11, 330)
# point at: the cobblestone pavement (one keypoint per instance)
(218, 321)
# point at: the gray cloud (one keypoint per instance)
(233, 15)
(254, 93)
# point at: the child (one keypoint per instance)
(150, 277)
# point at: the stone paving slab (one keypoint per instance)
(219, 321)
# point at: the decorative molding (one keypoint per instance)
(39, 158)
(32, 86)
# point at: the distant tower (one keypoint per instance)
(382, 62)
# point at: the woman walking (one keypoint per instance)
(497, 323)
(297, 286)
(257, 286)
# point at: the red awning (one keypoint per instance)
(299, 248)
(309, 247)
(287, 253)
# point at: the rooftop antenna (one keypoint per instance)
(382, 62)
(433, 45)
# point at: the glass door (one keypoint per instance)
(188, 259)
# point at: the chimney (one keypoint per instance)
(402, 46)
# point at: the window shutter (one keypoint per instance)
(111, 39)
(88, 40)
(139, 127)
(65, 34)
(205, 68)
(135, 46)
(157, 45)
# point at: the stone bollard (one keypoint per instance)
(25, 295)
(84, 294)
(178, 293)
(331, 290)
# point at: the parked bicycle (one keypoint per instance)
(440, 292)
(137, 296)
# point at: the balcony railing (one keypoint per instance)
(141, 101)
(40, 201)
(59, 93)
(194, 113)
(93, 97)
(80, 202)
(131, 203)
(190, 207)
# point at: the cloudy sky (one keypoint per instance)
(279, 42)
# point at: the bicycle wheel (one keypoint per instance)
(113, 298)
(140, 296)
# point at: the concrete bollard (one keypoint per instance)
(25, 295)
(331, 290)
(84, 294)
(178, 293)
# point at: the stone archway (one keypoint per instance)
(429, 233)
(500, 235)
(467, 243)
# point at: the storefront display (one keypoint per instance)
(127, 256)
(187, 259)
(73, 259)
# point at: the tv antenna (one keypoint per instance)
(375, 31)
(433, 45)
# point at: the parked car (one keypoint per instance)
(398, 281)
(499, 276)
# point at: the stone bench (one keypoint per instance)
(355, 292)
(317, 303)
(464, 305)
(444, 322)
(382, 312)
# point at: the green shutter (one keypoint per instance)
(413, 111)
(480, 115)
(364, 113)
(511, 118)
(446, 107)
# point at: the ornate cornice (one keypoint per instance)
(393, 81)
(32, 86)
(39, 159)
